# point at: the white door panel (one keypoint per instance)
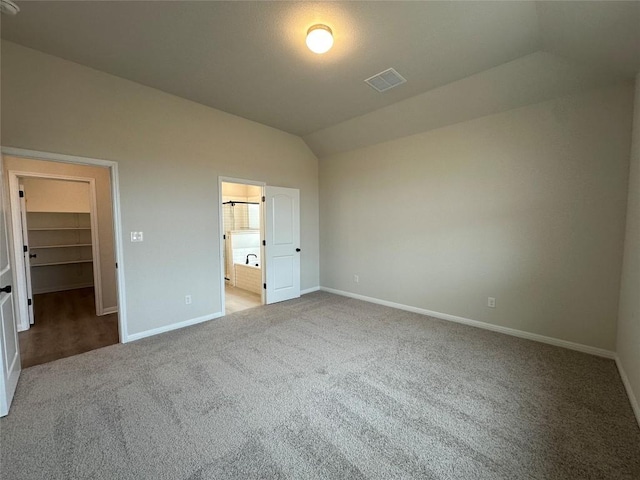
(27, 253)
(283, 212)
(11, 352)
(9, 346)
(283, 272)
(282, 249)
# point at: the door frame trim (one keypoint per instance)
(222, 179)
(117, 218)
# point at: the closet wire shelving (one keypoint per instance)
(55, 232)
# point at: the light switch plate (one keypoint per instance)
(136, 236)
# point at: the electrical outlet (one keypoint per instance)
(356, 279)
(136, 237)
(187, 299)
(491, 302)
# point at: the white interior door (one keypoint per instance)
(26, 253)
(282, 249)
(9, 346)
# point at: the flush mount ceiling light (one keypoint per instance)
(8, 7)
(319, 38)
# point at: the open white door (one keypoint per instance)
(26, 253)
(282, 249)
(9, 346)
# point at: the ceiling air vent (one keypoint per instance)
(386, 80)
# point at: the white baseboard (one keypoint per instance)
(627, 385)
(309, 290)
(600, 352)
(174, 326)
(61, 288)
(107, 311)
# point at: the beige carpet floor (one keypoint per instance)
(323, 387)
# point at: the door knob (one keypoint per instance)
(6, 289)
(297, 249)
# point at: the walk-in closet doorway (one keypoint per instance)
(63, 224)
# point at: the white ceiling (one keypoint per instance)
(531, 79)
(250, 58)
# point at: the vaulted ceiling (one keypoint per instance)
(250, 58)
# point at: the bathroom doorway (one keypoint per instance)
(242, 244)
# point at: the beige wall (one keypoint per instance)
(48, 195)
(104, 211)
(629, 317)
(170, 152)
(240, 190)
(527, 206)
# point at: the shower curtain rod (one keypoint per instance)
(232, 203)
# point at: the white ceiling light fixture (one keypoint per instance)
(319, 38)
(8, 7)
